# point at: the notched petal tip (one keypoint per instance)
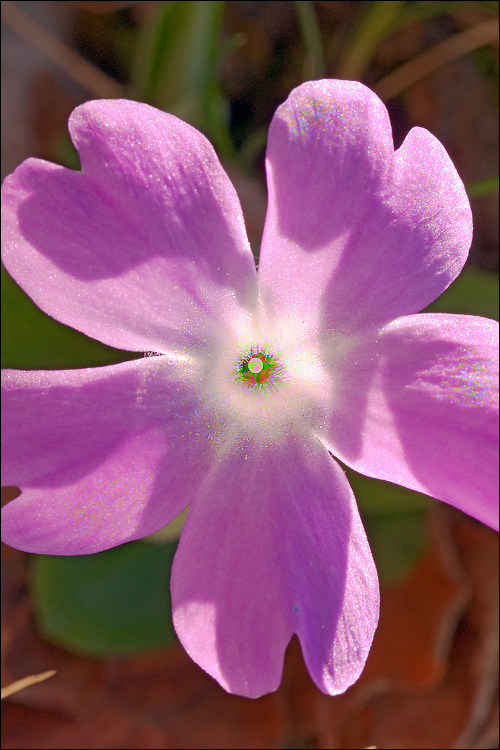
(147, 244)
(293, 558)
(341, 199)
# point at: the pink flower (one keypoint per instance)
(256, 376)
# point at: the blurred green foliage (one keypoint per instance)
(475, 292)
(176, 67)
(113, 602)
(32, 341)
(483, 187)
(395, 522)
(378, 21)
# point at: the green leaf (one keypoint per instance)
(475, 292)
(377, 497)
(113, 602)
(394, 519)
(33, 340)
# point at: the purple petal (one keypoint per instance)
(356, 234)
(418, 405)
(145, 247)
(274, 546)
(103, 456)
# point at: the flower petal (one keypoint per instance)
(273, 546)
(145, 247)
(356, 234)
(418, 405)
(105, 457)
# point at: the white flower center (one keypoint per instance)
(266, 380)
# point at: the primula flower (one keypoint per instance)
(256, 378)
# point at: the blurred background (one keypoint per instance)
(103, 621)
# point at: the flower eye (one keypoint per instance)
(258, 369)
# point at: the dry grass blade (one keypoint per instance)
(32, 679)
(80, 71)
(432, 59)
